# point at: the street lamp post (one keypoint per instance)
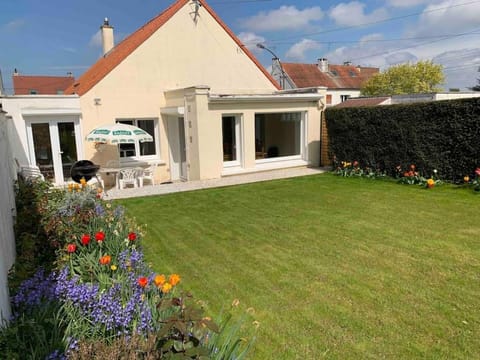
(275, 57)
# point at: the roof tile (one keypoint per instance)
(338, 76)
(42, 85)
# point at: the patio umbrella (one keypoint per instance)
(118, 134)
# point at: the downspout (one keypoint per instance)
(322, 108)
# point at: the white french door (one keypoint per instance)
(54, 146)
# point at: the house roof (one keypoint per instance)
(120, 52)
(42, 85)
(357, 102)
(337, 76)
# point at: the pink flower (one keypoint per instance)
(477, 171)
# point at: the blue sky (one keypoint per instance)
(53, 37)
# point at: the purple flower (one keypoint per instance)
(99, 210)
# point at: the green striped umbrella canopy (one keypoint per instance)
(118, 134)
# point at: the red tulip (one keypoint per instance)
(85, 239)
(71, 248)
(100, 236)
(132, 236)
(142, 281)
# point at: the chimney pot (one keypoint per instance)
(322, 64)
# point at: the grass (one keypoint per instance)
(337, 268)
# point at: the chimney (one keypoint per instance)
(107, 36)
(15, 72)
(322, 64)
(347, 63)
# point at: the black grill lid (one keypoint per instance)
(83, 169)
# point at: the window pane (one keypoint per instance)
(126, 150)
(229, 138)
(43, 150)
(277, 135)
(147, 148)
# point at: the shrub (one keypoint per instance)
(440, 135)
(102, 293)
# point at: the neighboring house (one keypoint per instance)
(46, 132)
(365, 101)
(437, 96)
(212, 109)
(40, 85)
(406, 98)
(342, 81)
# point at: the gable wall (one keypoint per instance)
(180, 54)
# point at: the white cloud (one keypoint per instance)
(14, 25)
(460, 67)
(283, 18)
(451, 17)
(371, 37)
(407, 3)
(297, 51)
(250, 40)
(401, 57)
(96, 39)
(353, 13)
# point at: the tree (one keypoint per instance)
(422, 77)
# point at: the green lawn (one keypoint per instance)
(337, 268)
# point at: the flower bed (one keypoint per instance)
(101, 293)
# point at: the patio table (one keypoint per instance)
(115, 171)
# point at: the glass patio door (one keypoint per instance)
(53, 147)
(232, 140)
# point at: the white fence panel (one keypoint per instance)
(7, 210)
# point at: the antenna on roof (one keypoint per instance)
(198, 4)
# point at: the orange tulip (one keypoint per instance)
(174, 279)
(105, 260)
(159, 280)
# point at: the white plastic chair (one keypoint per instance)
(148, 174)
(30, 172)
(97, 180)
(128, 176)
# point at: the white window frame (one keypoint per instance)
(239, 141)
(302, 134)
(157, 156)
(54, 142)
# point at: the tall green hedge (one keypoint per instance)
(442, 135)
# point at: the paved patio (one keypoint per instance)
(161, 189)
